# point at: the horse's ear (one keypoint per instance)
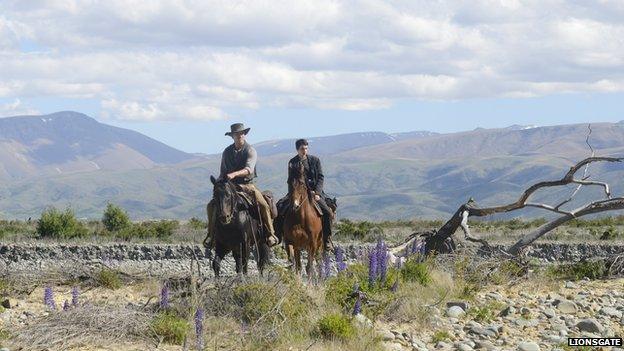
(213, 180)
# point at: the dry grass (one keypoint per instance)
(87, 325)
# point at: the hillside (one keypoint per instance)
(70, 142)
(378, 176)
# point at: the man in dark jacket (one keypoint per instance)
(314, 180)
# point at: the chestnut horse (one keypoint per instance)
(302, 226)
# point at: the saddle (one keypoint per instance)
(284, 206)
(250, 201)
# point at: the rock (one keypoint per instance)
(549, 312)
(484, 345)
(525, 311)
(455, 312)
(392, 346)
(464, 347)
(566, 306)
(590, 325)
(363, 322)
(528, 346)
(554, 339)
(387, 335)
(570, 285)
(464, 305)
(523, 322)
(442, 345)
(611, 312)
(509, 310)
(9, 303)
(494, 295)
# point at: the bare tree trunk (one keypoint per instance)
(441, 241)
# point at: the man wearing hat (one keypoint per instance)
(238, 164)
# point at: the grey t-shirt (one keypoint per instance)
(233, 160)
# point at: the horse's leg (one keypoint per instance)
(290, 250)
(297, 260)
(237, 253)
(310, 264)
(245, 257)
(263, 256)
(220, 252)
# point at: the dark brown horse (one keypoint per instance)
(302, 226)
(236, 229)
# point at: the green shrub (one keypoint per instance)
(108, 278)
(441, 335)
(4, 287)
(115, 218)
(160, 229)
(63, 225)
(164, 229)
(198, 224)
(415, 271)
(363, 230)
(336, 326)
(339, 290)
(579, 270)
(170, 327)
(480, 314)
(273, 303)
(609, 234)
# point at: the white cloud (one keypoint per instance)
(177, 59)
(16, 108)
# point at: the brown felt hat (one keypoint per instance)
(237, 128)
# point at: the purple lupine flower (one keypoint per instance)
(357, 307)
(66, 305)
(382, 260)
(372, 267)
(48, 298)
(199, 328)
(164, 296)
(340, 263)
(326, 265)
(74, 294)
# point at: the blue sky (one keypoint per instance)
(182, 71)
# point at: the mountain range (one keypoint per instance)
(69, 159)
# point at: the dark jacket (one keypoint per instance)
(314, 174)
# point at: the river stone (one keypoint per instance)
(484, 345)
(509, 310)
(464, 347)
(611, 312)
(442, 345)
(590, 325)
(549, 312)
(464, 305)
(528, 346)
(387, 335)
(455, 312)
(522, 322)
(566, 306)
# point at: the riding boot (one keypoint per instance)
(328, 246)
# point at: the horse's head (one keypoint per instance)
(224, 194)
(299, 194)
